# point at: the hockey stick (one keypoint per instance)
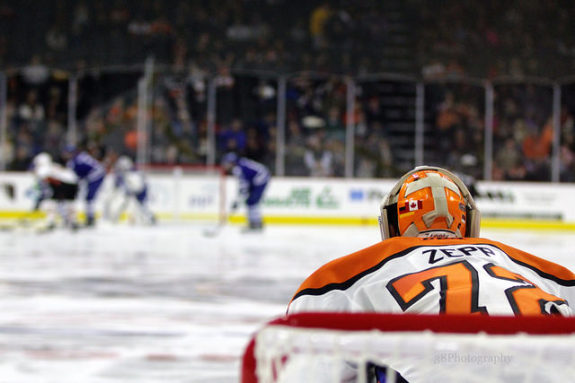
(216, 230)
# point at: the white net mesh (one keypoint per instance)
(286, 353)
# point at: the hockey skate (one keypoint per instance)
(253, 227)
(44, 227)
(90, 222)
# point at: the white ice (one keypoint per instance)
(165, 303)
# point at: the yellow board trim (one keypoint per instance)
(287, 220)
(486, 223)
(22, 214)
(527, 224)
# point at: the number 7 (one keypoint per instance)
(459, 288)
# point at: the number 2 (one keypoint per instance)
(459, 290)
(527, 298)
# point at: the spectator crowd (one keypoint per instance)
(240, 47)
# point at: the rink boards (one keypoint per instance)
(291, 200)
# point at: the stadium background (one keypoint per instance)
(383, 86)
(484, 88)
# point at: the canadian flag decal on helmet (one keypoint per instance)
(411, 205)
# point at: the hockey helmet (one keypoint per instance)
(42, 159)
(69, 149)
(230, 158)
(124, 164)
(429, 202)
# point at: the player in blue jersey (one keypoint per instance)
(253, 179)
(90, 172)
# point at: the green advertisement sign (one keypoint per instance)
(301, 197)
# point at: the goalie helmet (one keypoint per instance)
(124, 164)
(429, 202)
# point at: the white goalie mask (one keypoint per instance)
(429, 201)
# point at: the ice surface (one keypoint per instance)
(165, 303)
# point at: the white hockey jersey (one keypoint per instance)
(452, 276)
(431, 276)
(53, 173)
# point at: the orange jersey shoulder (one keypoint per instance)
(343, 272)
(348, 269)
(543, 267)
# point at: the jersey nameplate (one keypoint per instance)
(438, 254)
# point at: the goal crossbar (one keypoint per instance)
(383, 338)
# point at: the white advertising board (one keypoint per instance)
(322, 200)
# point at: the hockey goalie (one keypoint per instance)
(431, 261)
(129, 195)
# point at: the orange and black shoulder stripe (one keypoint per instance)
(544, 268)
(343, 272)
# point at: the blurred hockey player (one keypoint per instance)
(130, 188)
(432, 261)
(90, 172)
(253, 179)
(58, 188)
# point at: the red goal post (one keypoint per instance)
(442, 348)
(187, 192)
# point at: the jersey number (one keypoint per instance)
(459, 290)
(526, 298)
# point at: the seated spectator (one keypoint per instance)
(507, 160)
(537, 146)
(334, 125)
(318, 160)
(254, 149)
(295, 150)
(21, 161)
(233, 137)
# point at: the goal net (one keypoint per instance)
(329, 347)
(181, 193)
